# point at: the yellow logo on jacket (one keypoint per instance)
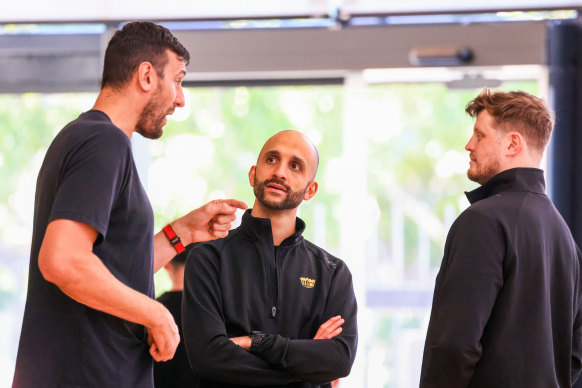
(307, 283)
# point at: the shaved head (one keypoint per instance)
(295, 140)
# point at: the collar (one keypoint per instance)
(514, 179)
(259, 229)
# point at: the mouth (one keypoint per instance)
(276, 188)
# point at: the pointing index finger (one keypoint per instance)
(235, 203)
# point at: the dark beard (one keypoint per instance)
(291, 200)
(148, 125)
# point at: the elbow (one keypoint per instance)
(202, 361)
(206, 367)
(344, 367)
(346, 357)
(52, 269)
(345, 362)
(339, 368)
(344, 370)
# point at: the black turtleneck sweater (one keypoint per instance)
(507, 303)
(239, 284)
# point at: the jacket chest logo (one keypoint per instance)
(307, 283)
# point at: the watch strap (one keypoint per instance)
(174, 239)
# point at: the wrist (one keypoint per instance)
(155, 314)
(257, 339)
(174, 238)
(181, 228)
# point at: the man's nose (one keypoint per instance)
(280, 172)
(180, 101)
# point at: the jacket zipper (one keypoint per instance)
(276, 283)
(270, 260)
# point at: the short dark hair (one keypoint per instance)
(520, 111)
(135, 43)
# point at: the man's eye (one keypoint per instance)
(295, 166)
(270, 159)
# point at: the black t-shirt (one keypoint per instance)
(89, 175)
(175, 373)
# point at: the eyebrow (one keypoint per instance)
(293, 157)
(477, 129)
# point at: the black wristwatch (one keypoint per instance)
(256, 339)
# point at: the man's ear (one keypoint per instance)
(252, 176)
(311, 190)
(515, 143)
(145, 76)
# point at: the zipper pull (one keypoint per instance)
(274, 311)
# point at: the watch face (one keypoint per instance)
(256, 339)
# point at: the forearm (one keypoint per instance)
(164, 251)
(219, 359)
(89, 282)
(210, 352)
(316, 361)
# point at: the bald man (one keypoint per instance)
(264, 306)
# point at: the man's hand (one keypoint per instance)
(208, 222)
(163, 336)
(330, 329)
(243, 342)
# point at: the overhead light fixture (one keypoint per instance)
(441, 56)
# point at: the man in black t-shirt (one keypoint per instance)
(90, 319)
(175, 373)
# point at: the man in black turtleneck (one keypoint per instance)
(507, 303)
(264, 306)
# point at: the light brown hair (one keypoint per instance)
(516, 111)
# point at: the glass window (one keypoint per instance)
(391, 181)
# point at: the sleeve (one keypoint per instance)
(577, 331)
(211, 353)
(92, 176)
(320, 361)
(467, 285)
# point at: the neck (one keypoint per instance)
(282, 221)
(121, 107)
(523, 160)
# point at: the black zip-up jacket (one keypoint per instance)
(507, 303)
(239, 284)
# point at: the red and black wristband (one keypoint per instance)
(174, 239)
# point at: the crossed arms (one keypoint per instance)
(278, 360)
